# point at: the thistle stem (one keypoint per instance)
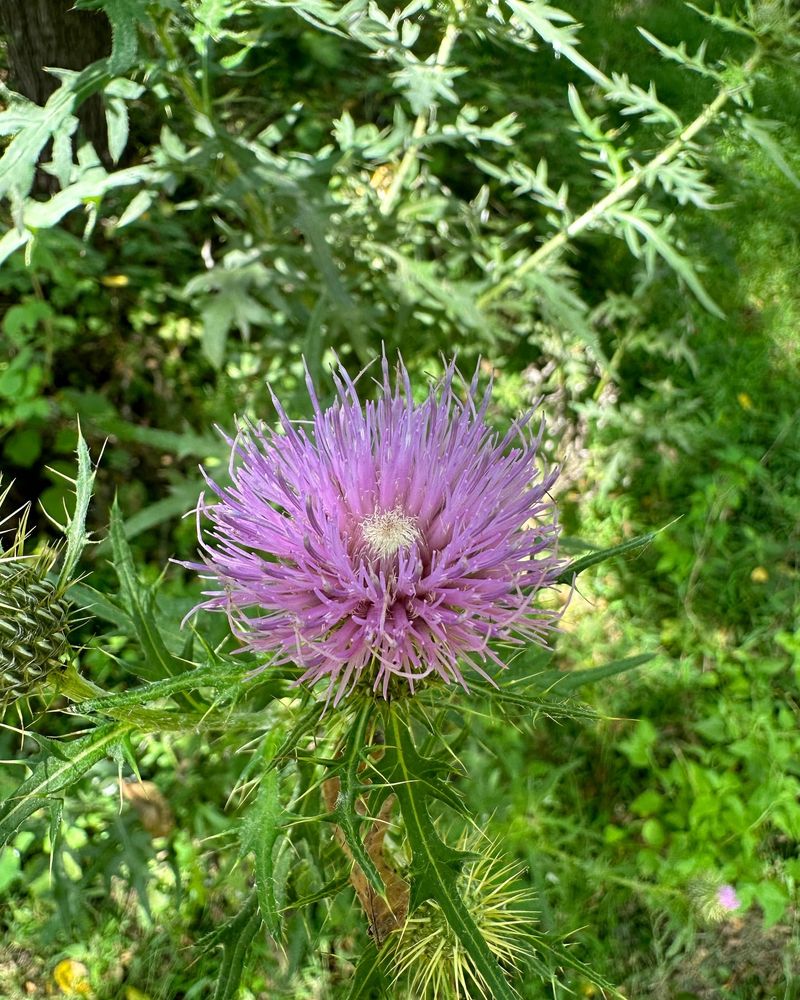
(434, 862)
(423, 120)
(637, 177)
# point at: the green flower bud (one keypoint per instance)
(34, 626)
(34, 614)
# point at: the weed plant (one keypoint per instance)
(294, 180)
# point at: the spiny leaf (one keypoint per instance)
(306, 723)
(350, 790)
(217, 675)
(81, 691)
(92, 183)
(56, 771)
(435, 866)
(718, 18)
(680, 54)
(260, 833)
(40, 124)
(236, 938)
(157, 662)
(125, 16)
(77, 537)
(577, 566)
(367, 980)
(530, 704)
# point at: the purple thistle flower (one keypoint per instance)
(390, 541)
(727, 898)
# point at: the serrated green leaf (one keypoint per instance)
(718, 18)
(55, 772)
(577, 566)
(124, 15)
(40, 124)
(236, 938)
(117, 127)
(138, 600)
(305, 724)
(61, 164)
(368, 978)
(216, 676)
(435, 866)
(260, 833)
(77, 538)
(350, 790)
(680, 54)
(93, 183)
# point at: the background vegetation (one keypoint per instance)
(292, 179)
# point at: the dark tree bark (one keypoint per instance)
(43, 33)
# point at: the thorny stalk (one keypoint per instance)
(638, 176)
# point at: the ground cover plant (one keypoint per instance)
(603, 216)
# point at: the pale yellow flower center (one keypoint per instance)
(388, 531)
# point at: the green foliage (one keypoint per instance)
(606, 215)
(434, 865)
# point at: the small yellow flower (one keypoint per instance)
(745, 401)
(71, 977)
(759, 575)
(381, 179)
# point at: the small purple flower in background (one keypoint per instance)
(388, 541)
(713, 899)
(727, 898)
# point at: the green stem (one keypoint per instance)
(71, 685)
(423, 120)
(190, 91)
(435, 865)
(637, 177)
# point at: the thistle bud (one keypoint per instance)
(34, 616)
(713, 899)
(428, 956)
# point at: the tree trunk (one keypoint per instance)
(43, 33)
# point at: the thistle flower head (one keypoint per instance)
(713, 899)
(389, 541)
